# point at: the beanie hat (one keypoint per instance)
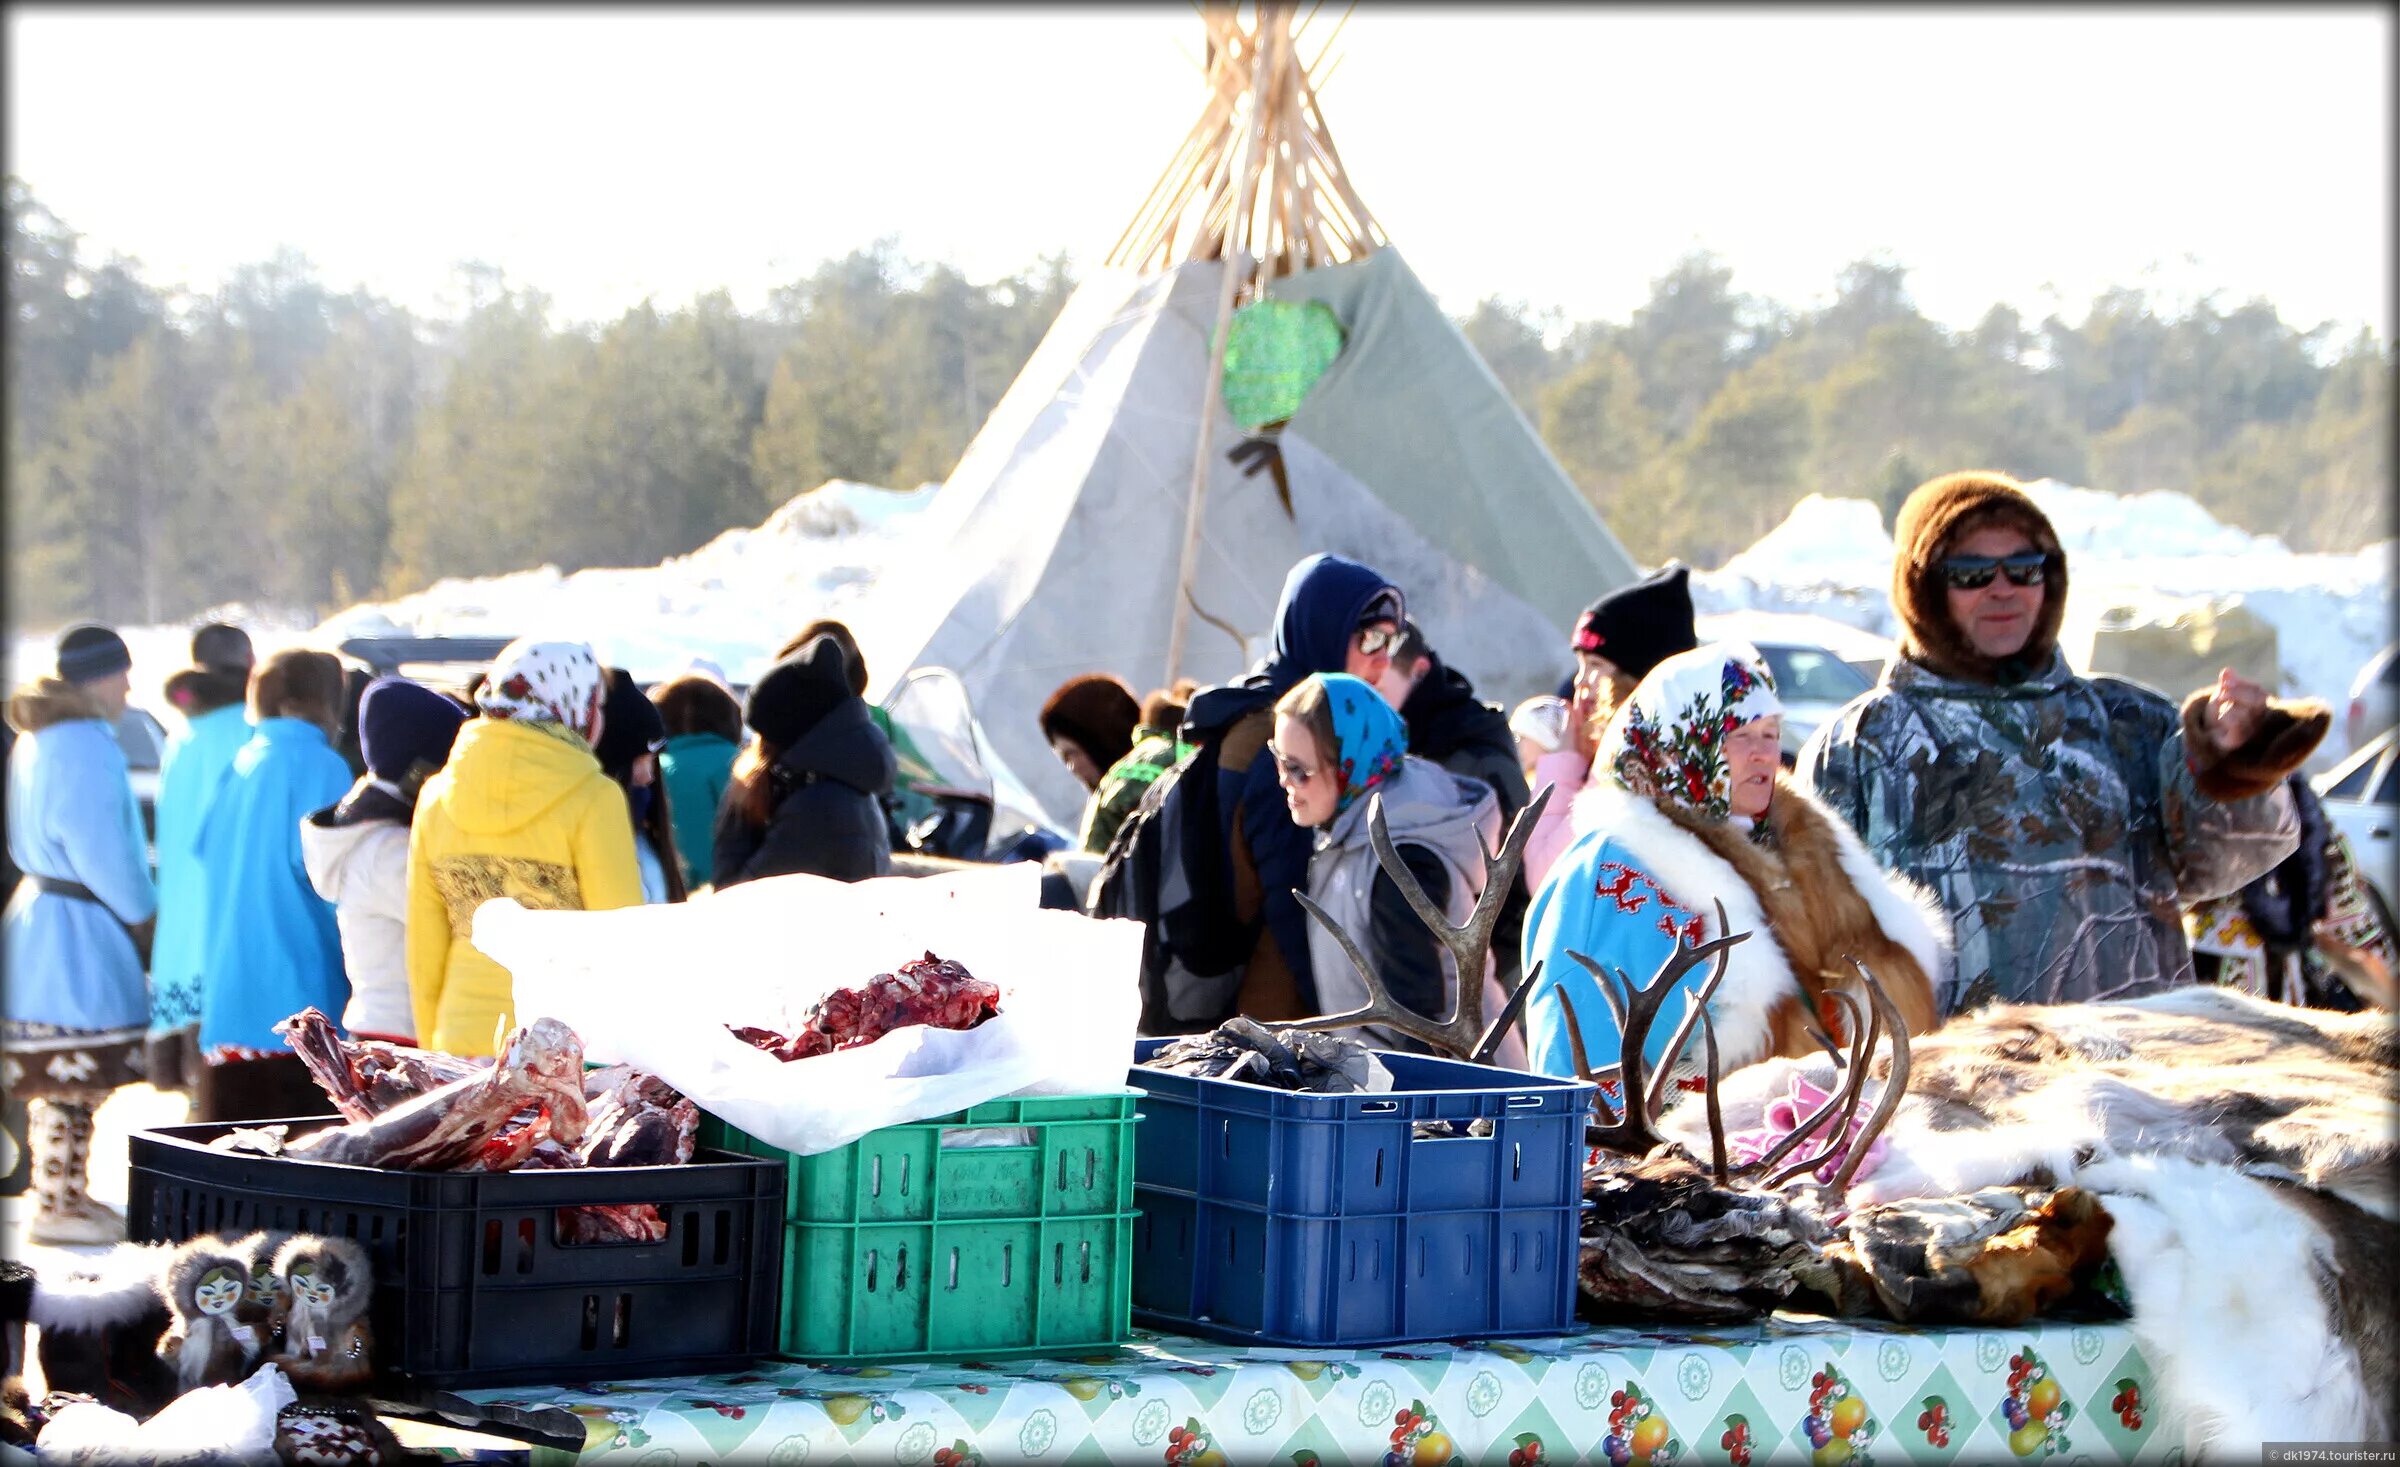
(402, 724)
(1934, 517)
(630, 725)
(795, 694)
(220, 672)
(1639, 626)
(1096, 712)
(219, 647)
(88, 653)
(1543, 720)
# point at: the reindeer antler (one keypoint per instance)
(1869, 1025)
(1633, 1128)
(1464, 1033)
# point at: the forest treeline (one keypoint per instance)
(280, 443)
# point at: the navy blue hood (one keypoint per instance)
(1324, 599)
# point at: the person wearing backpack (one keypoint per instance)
(1211, 857)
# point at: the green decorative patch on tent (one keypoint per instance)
(1274, 353)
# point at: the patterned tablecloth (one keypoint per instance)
(1795, 1389)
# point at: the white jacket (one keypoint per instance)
(362, 869)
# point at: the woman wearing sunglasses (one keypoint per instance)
(2062, 821)
(1337, 741)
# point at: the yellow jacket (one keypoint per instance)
(518, 812)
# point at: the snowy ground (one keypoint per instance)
(2147, 556)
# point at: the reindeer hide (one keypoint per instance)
(2244, 1148)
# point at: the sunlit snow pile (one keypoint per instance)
(737, 598)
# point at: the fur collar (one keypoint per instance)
(46, 702)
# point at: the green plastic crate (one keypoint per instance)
(897, 1247)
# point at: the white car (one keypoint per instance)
(1819, 664)
(2362, 798)
(2374, 697)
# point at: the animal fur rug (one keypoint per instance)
(2245, 1150)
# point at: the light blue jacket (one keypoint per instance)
(1599, 901)
(273, 947)
(71, 817)
(189, 776)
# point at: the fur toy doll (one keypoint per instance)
(99, 1317)
(328, 1283)
(263, 1296)
(204, 1285)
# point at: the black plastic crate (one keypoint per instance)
(475, 1285)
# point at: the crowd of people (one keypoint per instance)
(1984, 825)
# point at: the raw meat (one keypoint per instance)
(473, 1124)
(365, 1078)
(929, 991)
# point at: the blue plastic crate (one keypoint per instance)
(1274, 1217)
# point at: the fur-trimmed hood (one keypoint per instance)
(1936, 514)
(1763, 987)
(258, 1252)
(190, 1263)
(46, 702)
(343, 1263)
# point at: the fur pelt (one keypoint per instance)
(2244, 1148)
(1998, 1257)
(1935, 514)
(2265, 1308)
(2288, 733)
(1809, 904)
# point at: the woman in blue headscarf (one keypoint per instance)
(1337, 742)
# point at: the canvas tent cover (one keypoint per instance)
(1057, 538)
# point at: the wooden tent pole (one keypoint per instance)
(1204, 451)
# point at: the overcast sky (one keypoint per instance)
(1560, 157)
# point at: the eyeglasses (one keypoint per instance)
(1295, 772)
(1372, 640)
(1974, 572)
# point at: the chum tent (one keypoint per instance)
(1062, 539)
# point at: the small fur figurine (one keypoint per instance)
(204, 1285)
(263, 1296)
(328, 1283)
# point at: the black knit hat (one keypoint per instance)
(630, 725)
(88, 653)
(218, 647)
(797, 693)
(1637, 627)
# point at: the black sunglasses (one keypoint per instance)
(1974, 572)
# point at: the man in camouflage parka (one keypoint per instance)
(2063, 821)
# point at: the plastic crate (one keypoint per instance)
(1276, 1217)
(901, 1247)
(474, 1286)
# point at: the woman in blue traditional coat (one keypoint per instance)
(78, 928)
(1688, 807)
(273, 945)
(211, 695)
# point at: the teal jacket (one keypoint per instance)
(273, 948)
(695, 768)
(189, 775)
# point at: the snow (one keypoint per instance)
(1824, 569)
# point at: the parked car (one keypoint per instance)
(1819, 664)
(144, 740)
(2362, 799)
(2374, 697)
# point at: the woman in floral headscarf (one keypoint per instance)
(1688, 807)
(1336, 742)
(522, 810)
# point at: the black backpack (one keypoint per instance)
(1167, 867)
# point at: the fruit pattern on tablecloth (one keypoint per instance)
(1792, 1388)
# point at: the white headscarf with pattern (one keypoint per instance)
(545, 682)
